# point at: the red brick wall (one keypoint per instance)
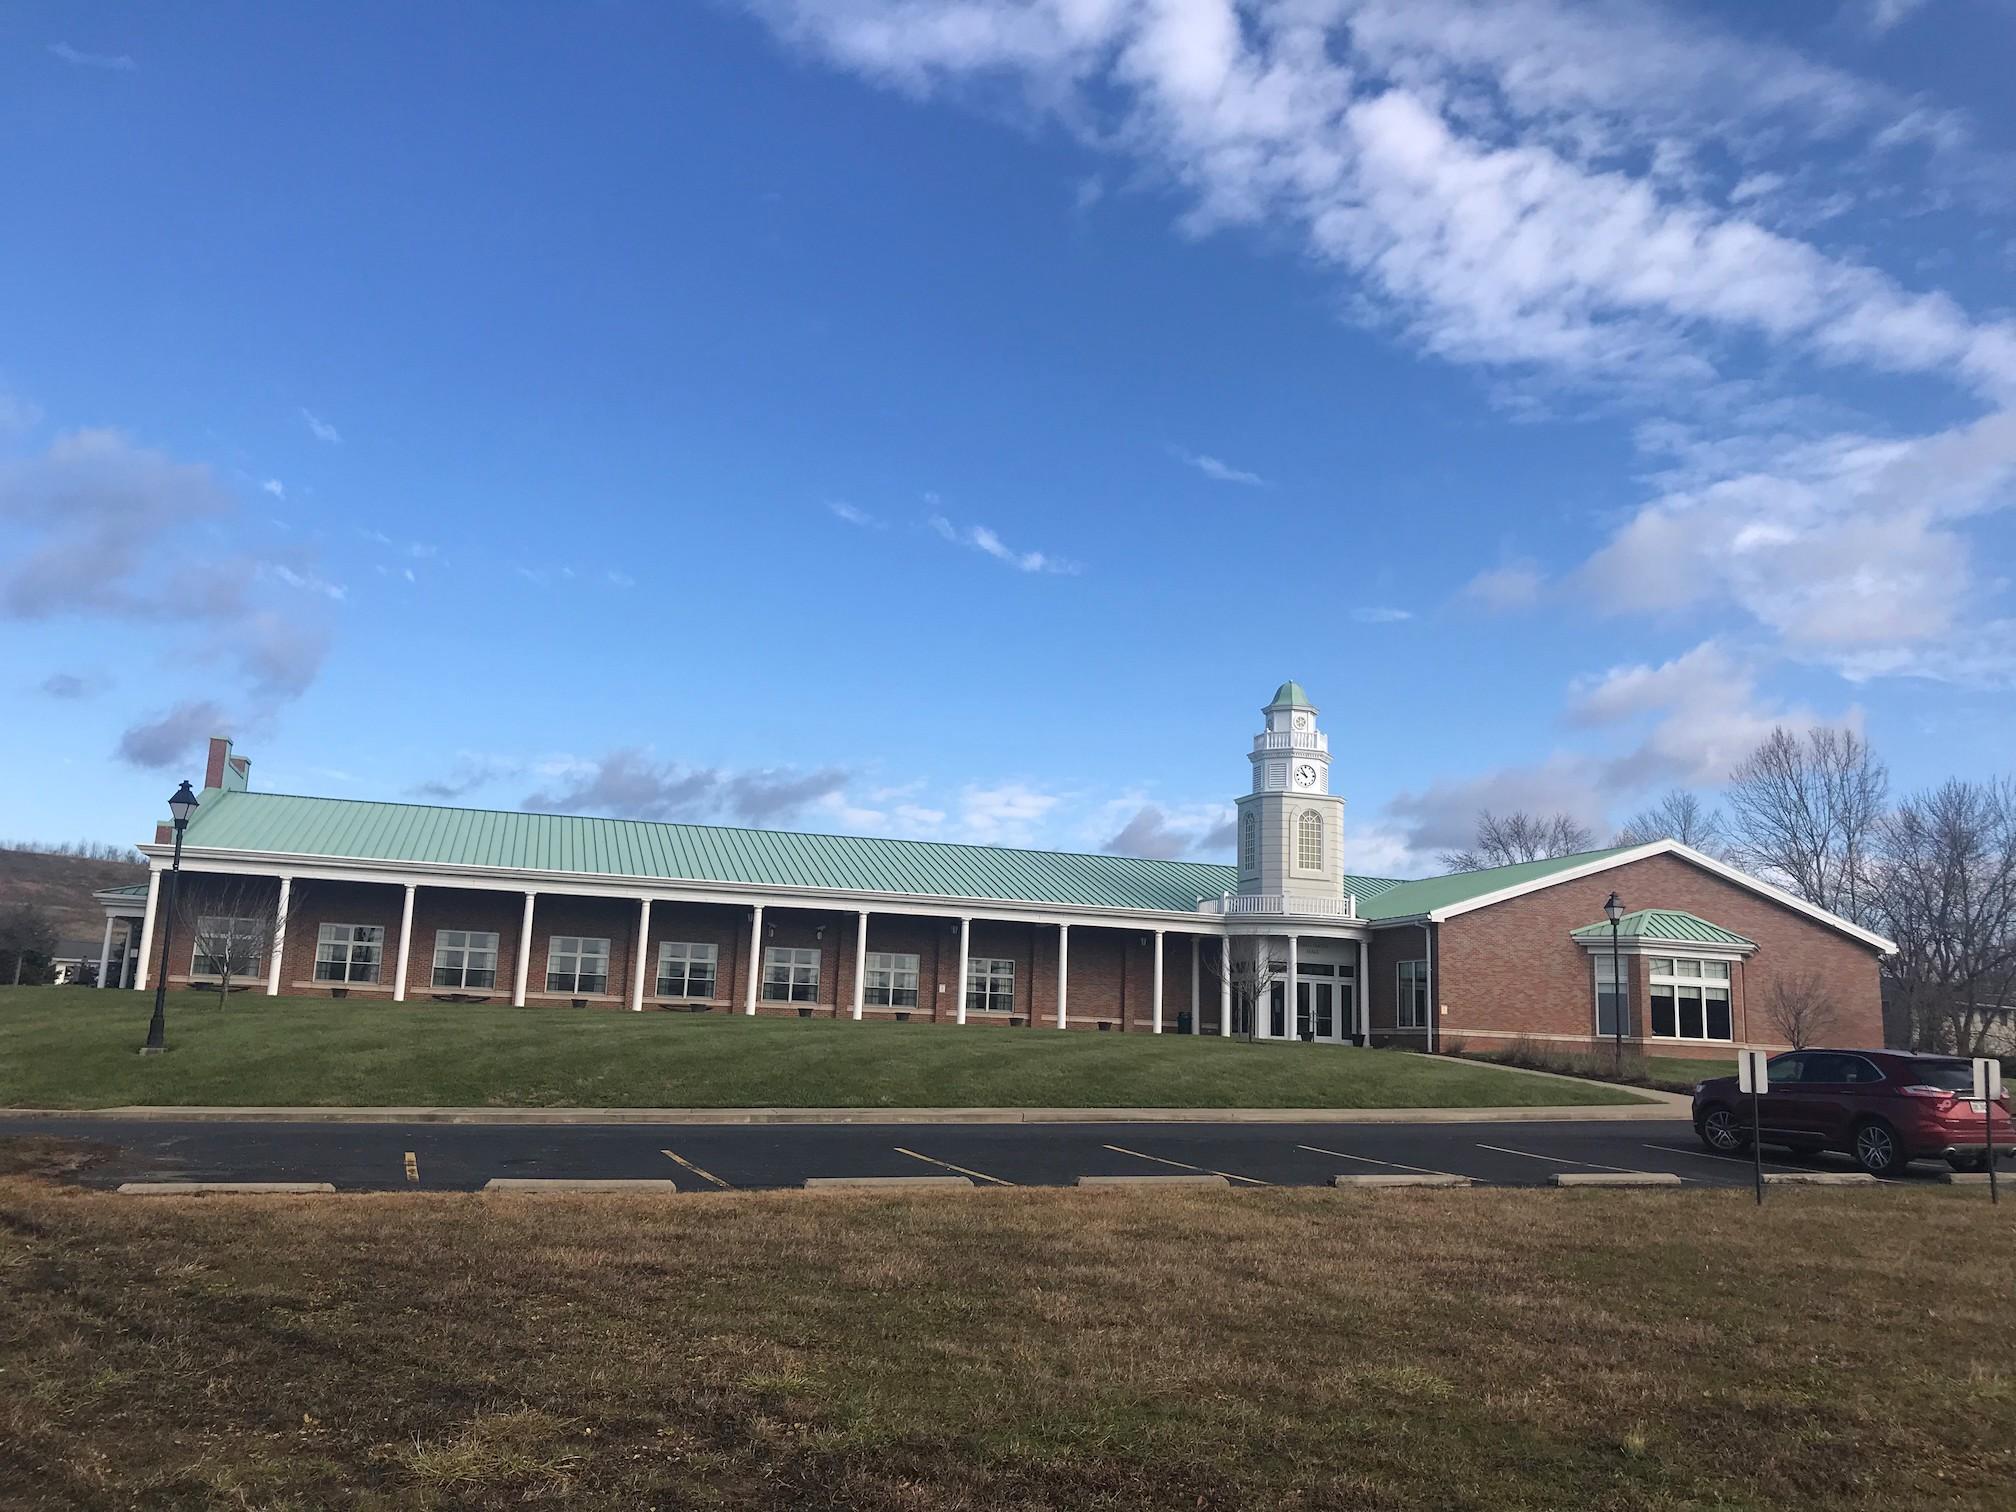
(1389, 948)
(1511, 969)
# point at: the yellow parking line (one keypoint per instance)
(696, 1170)
(412, 1166)
(1185, 1165)
(933, 1160)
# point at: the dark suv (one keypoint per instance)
(1883, 1107)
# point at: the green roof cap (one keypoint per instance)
(1665, 924)
(1291, 693)
(423, 834)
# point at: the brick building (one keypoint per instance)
(412, 902)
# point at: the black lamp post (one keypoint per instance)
(1613, 910)
(181, 806)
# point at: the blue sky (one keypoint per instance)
(951, 417)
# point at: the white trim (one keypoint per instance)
(1652, 947)
(1157, 1016)
(1639, 853)
(105, 953)
(1063, 975)
(147, 931)
(755, 968)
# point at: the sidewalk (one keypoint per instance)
(1658, 1106)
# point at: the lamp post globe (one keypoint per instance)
(1613, 910)
(181, 804)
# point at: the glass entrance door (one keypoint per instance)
(1316, 1009)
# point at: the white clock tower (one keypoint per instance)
(1291, 827)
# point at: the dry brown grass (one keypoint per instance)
(1008, 1349)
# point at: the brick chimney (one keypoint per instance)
(223, 770)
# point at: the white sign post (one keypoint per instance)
(1987, 1089)
(1753, 1076)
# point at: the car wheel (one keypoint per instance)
(1722, 1133)
(1876, 1149)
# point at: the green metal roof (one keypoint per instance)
(131, 890)
(421, 834)
(1665, 924)
(1291, 693)
(1408, 899)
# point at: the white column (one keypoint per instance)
(524, 953)
(1063, 973)
(1288, 1013)
(1196, 979)
(1263, 1021)
(643, 947)
(860, 963)
(405, 943)
(1364, 992)
(755, 959)
(1156, 1017)
(147, 931)
(965, 940)
(105, 954)
(1225, 987)
(279, 937)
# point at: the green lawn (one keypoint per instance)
(75, 1048)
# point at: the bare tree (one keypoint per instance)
(1946, 893)
(232, 926)
(1804, 814)
(1680, 815)
(1508, 838)
(1801, 1009)
(1252, 972)
(27, 941)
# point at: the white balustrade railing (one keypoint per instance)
(1232, 905)
(1291, 740)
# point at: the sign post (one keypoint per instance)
(1752, 1077)
(1987, 1088)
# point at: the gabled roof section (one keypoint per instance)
(1430, 895)
(1665, 925)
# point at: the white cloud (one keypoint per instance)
(275, 487)
(1373, 614)
(17, 414)
(1007, 814)
(304, 582)
(112, 62)
(1088, 193)
(983, 539)
(1516, 585)
(617, 579)
(1880, 15)
(321, 429)
(1221, 472)
(842, 510)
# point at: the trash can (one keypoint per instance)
(1183, 1024)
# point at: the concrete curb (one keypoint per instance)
(534, 1185)
(1614, 1179)
(900, 1183)
(242, 1188)
(1819, 1178)
(1971, 1178)
(1616, 1112)
(1423, 1180)
(1153, 1181)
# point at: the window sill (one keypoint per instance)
(574, 997)
(347, 986)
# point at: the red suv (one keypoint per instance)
(1883, 1107)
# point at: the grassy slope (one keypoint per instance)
(63, 886)
(1499, 1350)
(75, 1048)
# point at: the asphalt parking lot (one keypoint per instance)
(465, 1157)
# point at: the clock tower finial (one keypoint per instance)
(1291, 828)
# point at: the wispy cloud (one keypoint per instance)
(631, 783)
(1222, 472)
(1516, 585)
(1375, 614)
(17, 414)
(321, 429)
(304, 582)
(841, 510)
(276, 488)
(982, 539)
(115, 62)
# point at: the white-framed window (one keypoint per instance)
(1309, 841)
(577, 964)
(1249, 843)
(1610, 995)
(349, 952)
(686, 968)
(465, 958)
(790, 975)
(228, 947)
(990, 985)
(891, 980)
(1689, 998)
(1410, 1008)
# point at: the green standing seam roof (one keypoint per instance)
(422, 834)
(131, 890)
(1664, 924)
(1408, 899)
(1290, 693)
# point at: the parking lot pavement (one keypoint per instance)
(715, 1157)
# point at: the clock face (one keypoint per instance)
(1301, 721)
(1305, 776)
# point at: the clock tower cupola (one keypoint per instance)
(1291, 827)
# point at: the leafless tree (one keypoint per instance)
(1680, 815)
(1946, 893)
(1248, 964)
(1804, 814)
(1503, 839)
(27, 941)
(1801, 1009)
(231, 924)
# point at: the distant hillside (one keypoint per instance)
(63, 885)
